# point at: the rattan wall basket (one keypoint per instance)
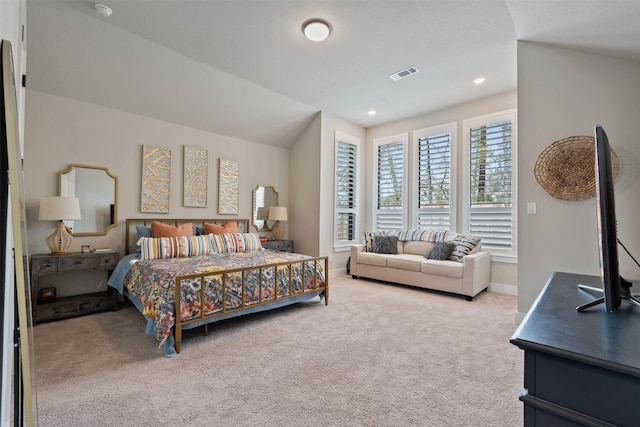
(566, 168)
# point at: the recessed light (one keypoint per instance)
(316, 29)
(479, 80)
(103, 10)
(371, 113)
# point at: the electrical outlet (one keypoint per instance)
(531, 208)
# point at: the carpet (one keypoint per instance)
(377, 355)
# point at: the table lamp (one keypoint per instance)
(277, 214)
(59, 208)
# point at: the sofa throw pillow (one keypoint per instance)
(464, 245)
(441, 251)
(385, 245)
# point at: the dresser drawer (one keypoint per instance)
(279, 245)
(45, 265)
(78, 262)
(107, 261)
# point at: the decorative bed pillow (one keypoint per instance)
(235, 242)
(142, 231)
(464, 245)
(441, 251)
(385, 244)
(174, 247)
(227, 227)
(161, 229)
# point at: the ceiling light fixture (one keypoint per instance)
(479, 80)
(103, 10)
(372, 113)
(316, 29)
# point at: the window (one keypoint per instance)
(390, 182)
(435, 181)
(346, 191)
(490, 175)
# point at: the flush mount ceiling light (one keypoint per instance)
(371, 113)
(316, 29)
(479, 80)
(103, 10)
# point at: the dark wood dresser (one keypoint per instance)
(580, 368)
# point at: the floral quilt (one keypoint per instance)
(153, 283)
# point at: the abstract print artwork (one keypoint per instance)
(156, 179)
(228, 187)
(196, 174)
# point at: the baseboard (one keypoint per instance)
(337, 272)
(501, 288)
(519, 317)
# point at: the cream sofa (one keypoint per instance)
(410, 267)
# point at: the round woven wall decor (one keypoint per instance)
(566, 168)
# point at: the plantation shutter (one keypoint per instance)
(434, 181)
(346, 192)
(390, 186)
(491, 208)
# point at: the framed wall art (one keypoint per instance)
(156, 179)
(196, 176)
(228, 187)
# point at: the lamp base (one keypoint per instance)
(278, 231)
(60, 240)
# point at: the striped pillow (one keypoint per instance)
(464, 246)
(174, 247)
(235, 242)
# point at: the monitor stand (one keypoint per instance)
(625, 294)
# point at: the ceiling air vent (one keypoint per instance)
(403, 73)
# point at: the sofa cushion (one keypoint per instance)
(464, 246)
(441, 251)
(370, 258)
(442, 268)
(417, 247)
(385, 244)
(405, 262)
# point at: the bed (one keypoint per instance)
(187, 282)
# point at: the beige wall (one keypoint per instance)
(564, 92)
(60, 131)
(503, 275)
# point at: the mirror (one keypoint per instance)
(262, 199)
(97, 191)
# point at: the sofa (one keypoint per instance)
(464, 271)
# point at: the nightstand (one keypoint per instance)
(59, 264)
(279, 245)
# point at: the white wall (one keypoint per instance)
(503, 275)
(564, 92)
(62, 131)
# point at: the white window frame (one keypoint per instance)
(344, 245)
(402, 138)
(452, 130)
(510, 115)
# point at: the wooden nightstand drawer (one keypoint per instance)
(78, 262)
(44, 265)
(279, 245)
(108, 261)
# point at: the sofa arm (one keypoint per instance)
(355, 250)
(476, 272)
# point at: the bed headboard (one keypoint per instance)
(131, 223)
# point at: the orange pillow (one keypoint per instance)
(227, 227)
(161, 229)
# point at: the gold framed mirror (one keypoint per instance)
(97, 190)
(262, 198)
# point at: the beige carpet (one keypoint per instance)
(377, 355)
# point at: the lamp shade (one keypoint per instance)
(59, 208)
(277, 213)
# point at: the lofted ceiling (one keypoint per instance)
(244, 68)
